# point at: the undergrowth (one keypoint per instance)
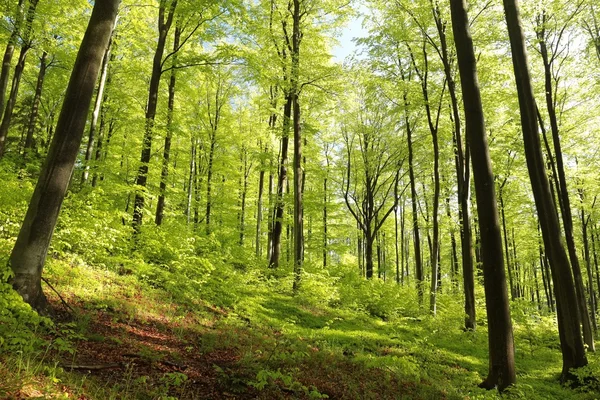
(222, 309)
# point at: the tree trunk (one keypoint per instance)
(463, 179)
(588, 264)
(573, 351)
(245, 172)
(259, 205)
(9, 52)
(281, 180)
(563, 194)
(164, 173)
(190, 186)
(29, 253)
(505, 237)
(35, 106)
(164, 25)
(500, 336)
(95, 115)
(413, 197)
(325, 237)
(16, 82)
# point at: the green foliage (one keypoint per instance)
(21, 327)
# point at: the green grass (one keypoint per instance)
(269, 344)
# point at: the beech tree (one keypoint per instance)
(500, 336)
(29, 253)
(372, 168)
(573, 351)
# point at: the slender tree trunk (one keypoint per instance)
(506, 249)
(164, 173)
(325, 237)
(463, 178)
(246, 171)
(16, 82)
(209, 175)
(563, 194)
(413, 198)
(298, 148)
(571, 341)
(259, 205)
(9, 52)
(188, 208)
(588, 264)
(270, 219)
(595, 259)
(95, 115)
(281, 180)
(164, 25)
(500, 336)
(396, 245)
(29, 253)
(12, 99)
(537, 285)
(35, 106)
(454, 255)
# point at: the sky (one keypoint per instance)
(353, 30)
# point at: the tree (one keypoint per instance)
(573, 351)
(500, 336)
(166, 14)
(371, 170)
(548, 39)
(16, 81)
(29, 253)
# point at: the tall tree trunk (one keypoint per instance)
(505, 237)
(573, 350)
(164, 173)
(29, 253)
(190, 185)
(245, 173)
(164, 25)
(95, 115)
(298, 168)
(413, 198)
(590, 275)
(500, 336)
(325, 200)
(563, 194)
(281, 180)
(16, 82)
(271, 216)
(259, 203)
(9, 52)
(463, 178)
(35, 106)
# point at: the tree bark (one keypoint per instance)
(500, 336)
(95, 115)
(29, 253)
(164, 25)
(563, 194)
(35, 106)
(16, 82)
(259, 203)
(281, 180)
(573, 351)
(9, 52)
(298, 148)
(164, 173)
(413, 198)
(463, 179)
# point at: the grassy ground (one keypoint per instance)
(127, 339)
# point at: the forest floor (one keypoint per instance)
(122, 339)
